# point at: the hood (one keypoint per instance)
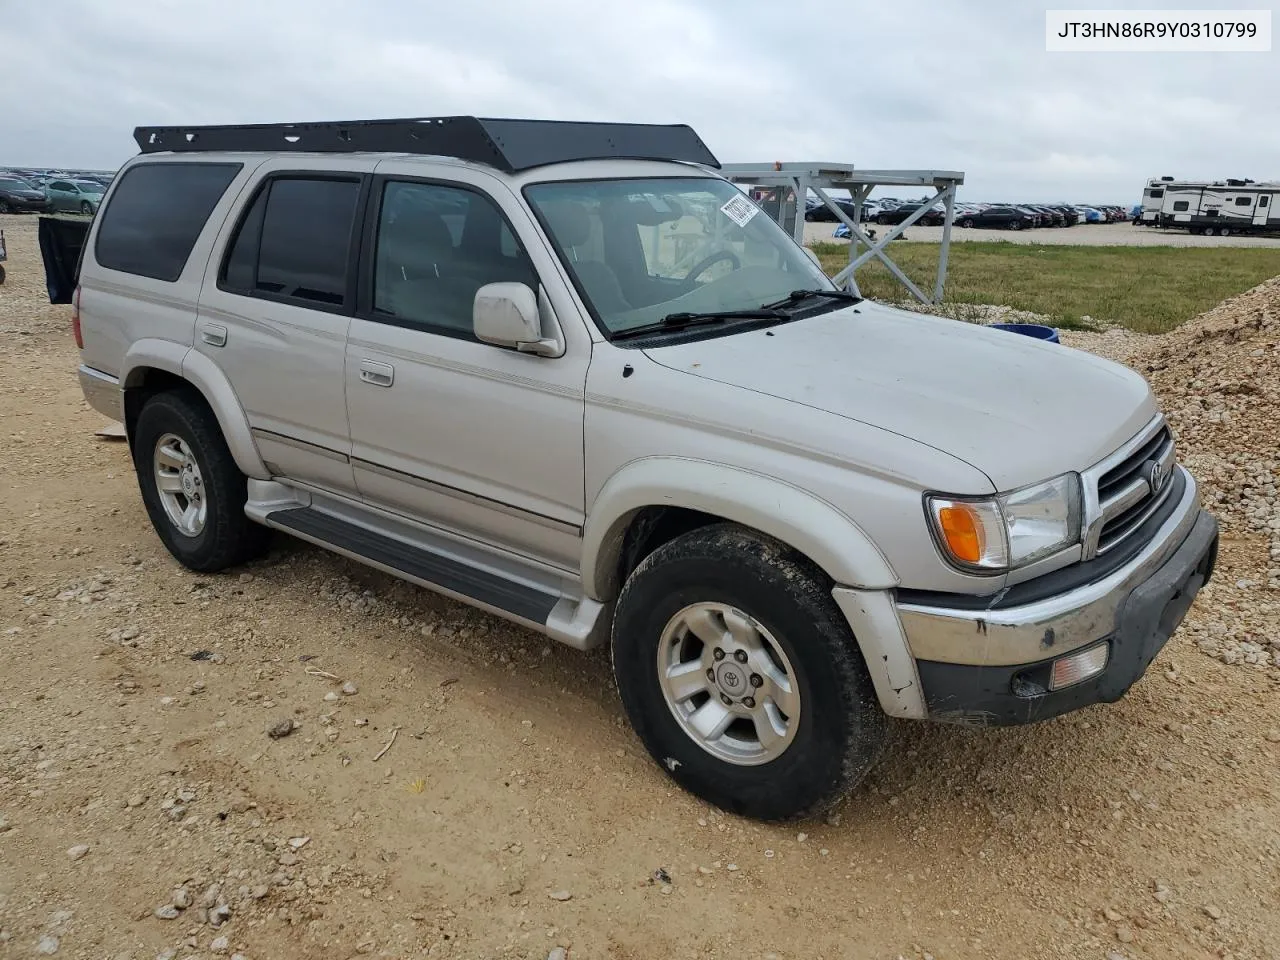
(1018, 409)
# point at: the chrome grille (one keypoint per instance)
(1122, 497)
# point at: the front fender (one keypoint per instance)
(203, 374)
(811, 525)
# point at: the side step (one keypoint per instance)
(516, 601)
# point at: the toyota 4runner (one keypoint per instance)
(569, 374)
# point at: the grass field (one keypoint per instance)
(1148, 289)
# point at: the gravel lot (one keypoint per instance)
(1082, 234)
(146, 811)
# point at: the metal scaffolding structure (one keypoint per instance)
(792, 182)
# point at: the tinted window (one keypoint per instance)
(1180, 205)
(436, 246)
(1243, 201)
(156, 214)
(295, 241)
(1156, 193)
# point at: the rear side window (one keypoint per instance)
(1180, 205)
(1244, 201)
(295, 241)
(156, 214)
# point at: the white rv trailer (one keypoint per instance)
(1223, 207)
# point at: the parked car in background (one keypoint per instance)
(74, 196)
(1093, 215)
(898, 214)
(1005, 218)
(20, 196)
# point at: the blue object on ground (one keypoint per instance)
(1036, 330)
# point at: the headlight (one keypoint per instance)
(994, 534)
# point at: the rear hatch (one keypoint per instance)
(62, 242)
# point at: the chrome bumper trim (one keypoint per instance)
(1046, 628)
(102, 391)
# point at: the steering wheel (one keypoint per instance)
(705, 263)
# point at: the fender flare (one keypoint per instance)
(203, 374)
(822, 532)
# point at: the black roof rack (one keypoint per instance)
(509, 145)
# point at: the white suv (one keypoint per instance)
(569, 374)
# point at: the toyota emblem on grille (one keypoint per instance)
(1157, 476)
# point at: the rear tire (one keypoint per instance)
(1015, 225)
(805, 724)
(1224, 231)
(966, 223)
(4, 206)
(199, 515)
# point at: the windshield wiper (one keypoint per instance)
(796, 296)
(679, 321)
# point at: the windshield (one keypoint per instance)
(641, 250)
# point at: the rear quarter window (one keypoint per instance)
(155, 216)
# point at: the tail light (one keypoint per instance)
(75, 319)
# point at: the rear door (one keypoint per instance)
(62, 195)
(276, 307)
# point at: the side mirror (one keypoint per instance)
(506, 315)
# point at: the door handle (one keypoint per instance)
(378, 374)
(214, 334)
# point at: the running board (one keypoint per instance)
(580, 623)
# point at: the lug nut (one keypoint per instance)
(740, 656)
(719, 654)
(749, 702)
(711, 674)
(725, 700)
(756, 680)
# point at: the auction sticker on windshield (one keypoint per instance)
(740, 210)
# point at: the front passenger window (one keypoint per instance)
(436, 246)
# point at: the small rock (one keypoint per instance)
(801, 837)
(167, 912)
(168, 954)
(280, 729)
(78, 851)
(561, 895)
(349, 689)
(181, 898)
(1212, 912)
(331, 696)
(260, 891)
(47, 945)
(219, 915)
(661, 875)
(362, 721)
(1273, 736)
(732, 867)
(1113, 916)
(299, 842)
(220, 945)
(287, 860)
(558, 953)
(136, 800)
(1124, 933)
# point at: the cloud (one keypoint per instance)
(908, 84)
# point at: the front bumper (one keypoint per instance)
(28, 205)
(992, 665)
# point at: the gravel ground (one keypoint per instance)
(1082, 234)
(475, 792)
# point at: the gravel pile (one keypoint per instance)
(1218, 379)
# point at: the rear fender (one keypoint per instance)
(203, 374)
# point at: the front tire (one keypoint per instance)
(741, 677)
(192, 489)
(1016, 225)
(966, 223)
(86, 208)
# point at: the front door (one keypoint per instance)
(275, 309)
(479, 440)
(1261, 210)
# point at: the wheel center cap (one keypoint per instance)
(731, 678)
(188, 484)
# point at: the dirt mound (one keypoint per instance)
(1218, 379)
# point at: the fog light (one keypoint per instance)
(1079, 666)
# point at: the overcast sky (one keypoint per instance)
(936, 84)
